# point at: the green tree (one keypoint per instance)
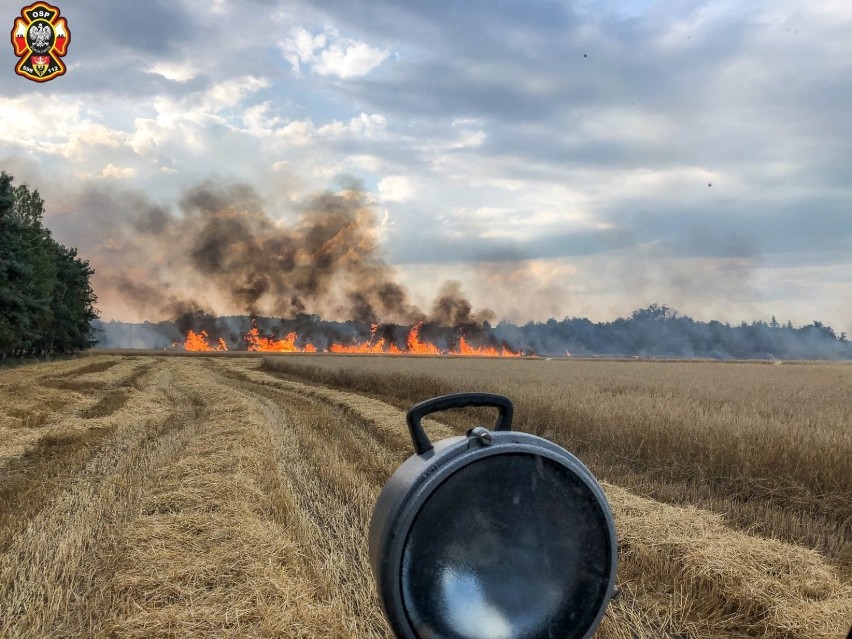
(46, 299)
(7, 195)
(15, 273)
(28, 206)
(28, 212)
(73, 302)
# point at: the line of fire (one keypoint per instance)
(379, 343)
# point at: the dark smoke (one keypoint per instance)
(451, 308)
(198, 321)
(326, 263)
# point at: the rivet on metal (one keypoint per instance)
(481, 435)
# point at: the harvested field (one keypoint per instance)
(151, 496)
(767, 446)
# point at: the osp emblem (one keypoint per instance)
(40, 38)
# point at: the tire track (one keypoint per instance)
(331, 466)
(52, 575)
(210, 553)
(707, 578)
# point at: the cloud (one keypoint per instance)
(112, 171)
(301, 47)
(187, 121)
(261, 121)
(349, 59)
(328, 54)
(54, 126)
(231, 92)
(395, 188)
(364, 125)
(157, 26)
(177, 72)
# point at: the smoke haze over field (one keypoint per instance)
(222, 252)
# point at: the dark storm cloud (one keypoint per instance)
(788, 233)
(447, 21)
(514, 61)
(468, 60)
(134, 82)
(792, 228)
(434, 245)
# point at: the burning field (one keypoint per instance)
(223, 250)
(413, 345)
(181, 495)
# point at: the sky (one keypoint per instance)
(556, 158)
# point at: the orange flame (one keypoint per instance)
(418, 347)
(370, 346)
(415, 345)
(482, 351)
(267, 344)
(198, 342)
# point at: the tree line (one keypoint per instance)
(655, 331)
(46, 298)
(660, 331)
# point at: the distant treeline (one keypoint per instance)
(656, 331)
(46, 300)
(660, 331)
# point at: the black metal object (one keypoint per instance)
(459, 400)
(492, 535)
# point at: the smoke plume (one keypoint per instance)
(231, 255)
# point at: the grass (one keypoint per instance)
(44, 443)
(208, 497)
(77, 480)
(27, 482)
(684, 571)
(766, 446)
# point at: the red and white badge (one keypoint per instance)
(40, 38)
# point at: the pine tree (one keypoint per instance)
(15, 274)
(46, 299)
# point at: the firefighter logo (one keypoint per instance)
(41, 39)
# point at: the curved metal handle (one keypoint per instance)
(457, 400)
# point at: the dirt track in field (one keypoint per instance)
(203, 497)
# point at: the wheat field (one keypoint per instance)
(144, 495)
